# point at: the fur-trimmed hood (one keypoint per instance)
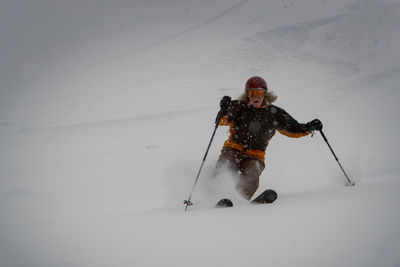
(269, 98)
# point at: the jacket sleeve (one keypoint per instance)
(288, 126)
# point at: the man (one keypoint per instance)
(253, 121)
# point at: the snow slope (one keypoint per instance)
(106, 109)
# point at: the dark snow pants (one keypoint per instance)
(249, 167)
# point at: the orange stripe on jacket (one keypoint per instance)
(293, 135)
(224, 121)
(229, 143)
(252, 152)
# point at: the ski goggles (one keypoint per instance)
(260, 92)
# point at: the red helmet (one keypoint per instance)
(256, 82)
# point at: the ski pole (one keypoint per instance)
(340, 165)
(188, 202)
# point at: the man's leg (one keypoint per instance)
(228, 158)
(251, 170)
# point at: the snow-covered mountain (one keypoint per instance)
(107, 107)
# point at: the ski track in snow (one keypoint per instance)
(158, 42)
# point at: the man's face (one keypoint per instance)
(256, 97)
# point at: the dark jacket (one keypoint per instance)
(251, 128)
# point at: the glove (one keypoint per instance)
(225, 103)
(314, 125)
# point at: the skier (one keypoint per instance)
(253, 121)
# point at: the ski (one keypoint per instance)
(266, 197)
(224, 203)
